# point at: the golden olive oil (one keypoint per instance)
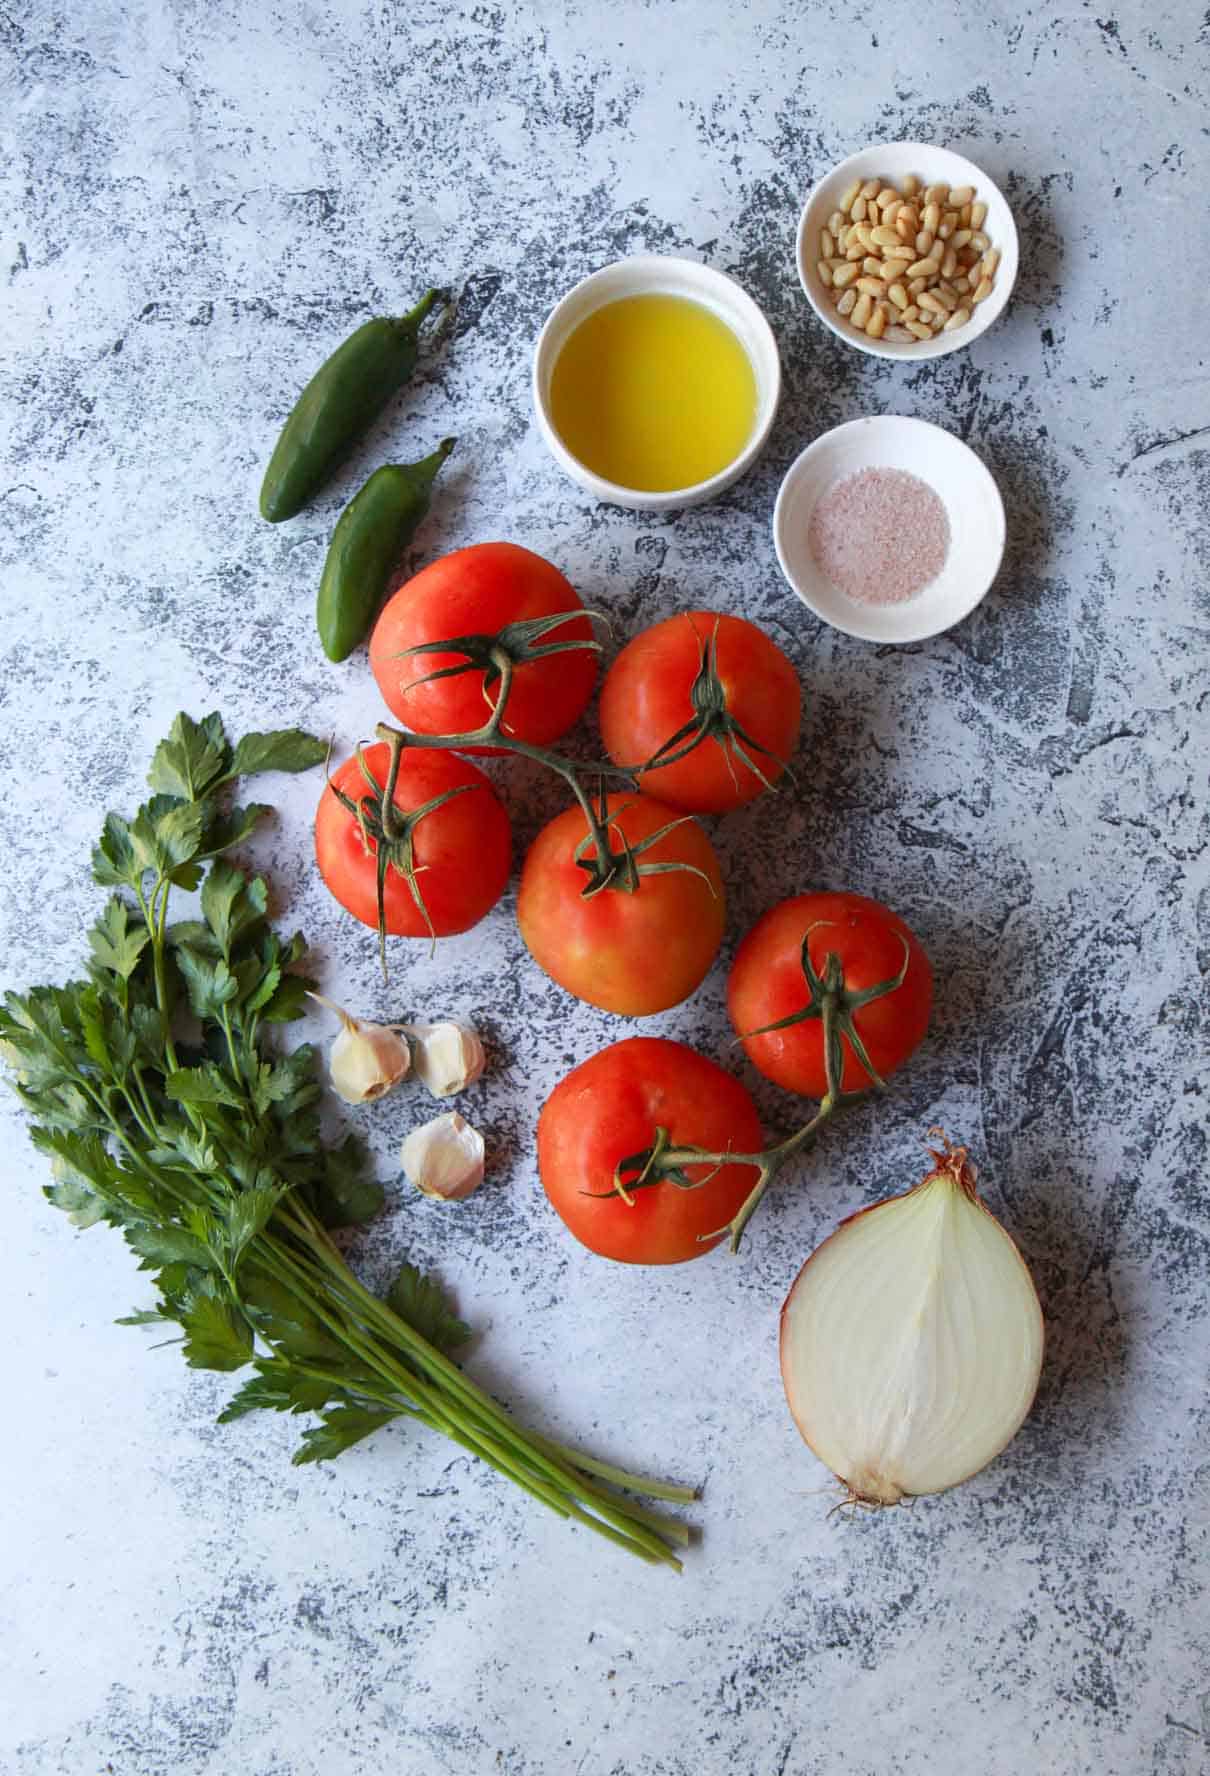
(653, 393)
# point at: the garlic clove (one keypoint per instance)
(911, 1341)
(365, 1061)
(448, 1057)
(444, 1158)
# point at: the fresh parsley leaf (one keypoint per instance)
(115, 862)
(216, 1335)
(167, 1244)
(206, 1084)
(167, 833)
(232, 903)
(145, 1316)
(420, 1301)
(194, 756)
(278, 1388)
(289, 999)
(344, 1191)
(285, 749)
(209, 982)
(223, 830)
(77, 1202)
(249, 1215)
(117, 945)
(342, 1426)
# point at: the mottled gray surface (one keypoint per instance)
(197, 202)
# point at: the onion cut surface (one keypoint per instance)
(911, 1341)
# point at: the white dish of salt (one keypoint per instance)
(880, 611)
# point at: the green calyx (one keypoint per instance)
(620, 869)
(498, 656)
(713, 720)
(392, 831)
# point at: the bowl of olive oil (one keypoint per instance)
(656, 381)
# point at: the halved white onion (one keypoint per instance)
(911, 1341)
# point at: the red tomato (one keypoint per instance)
(647, 698)
(608, 1109)
(461, 851)
(478, 591)
(767, 983)
(633, 953)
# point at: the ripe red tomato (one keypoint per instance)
(609, 1108)
(767, 983)
(632, 953)
(647, 697)
(461, 850)
(476, 592)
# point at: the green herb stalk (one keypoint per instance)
(205, 1151)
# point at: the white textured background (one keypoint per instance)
(197, 202)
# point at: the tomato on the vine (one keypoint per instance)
(606, 1111)
(472, 596)
(453, 860)
(768, 984)
(716, 684)
(645, 938)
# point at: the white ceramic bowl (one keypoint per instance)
(965, 487)
(653, 274)
(932, 166)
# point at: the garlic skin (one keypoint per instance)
(447, 1057)
(365, 1061)
(444, 1158)
(911, 1341)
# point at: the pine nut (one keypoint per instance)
(861, 232)
(980, 241)
(824, 273)
(837, 224)
(903, 226)
(857, 209)
(945, 288)
(887, 194)
(854, 251)
(876, 325)
(978, 215)
(871, 188)
(871, 286)
(845, 304)
(912, 213)
(924, 242)
(915, 285)
(851, 195)
(949, 264)
(948, 224)
(898, 295)
(890, 213)
(834, 264)
(962, 195)
(932, 217)
(991, 262)
(932, 302)
(899, 335)
(884, 237)
(871, 268)
(965, 215)
(960, 240)
(918, 330)
(982, 290)
(936, 194)
(844, 276)
(910, 313)
(962, 285)
(863, 311)
(911, 185)
(923, 268)
(827, 245)
(959, 318)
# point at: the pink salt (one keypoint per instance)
(880, 535)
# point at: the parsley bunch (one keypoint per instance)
(165, 1112)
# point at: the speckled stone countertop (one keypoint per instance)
(199, 201)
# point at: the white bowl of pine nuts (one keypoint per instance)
(907, 250)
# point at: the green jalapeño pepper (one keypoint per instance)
(371, 534)
(344, 396)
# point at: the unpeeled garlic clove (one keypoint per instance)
(444, 1158)
(448, 1057)
(365, 1061)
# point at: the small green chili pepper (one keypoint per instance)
(344, 396)
(372, 532)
